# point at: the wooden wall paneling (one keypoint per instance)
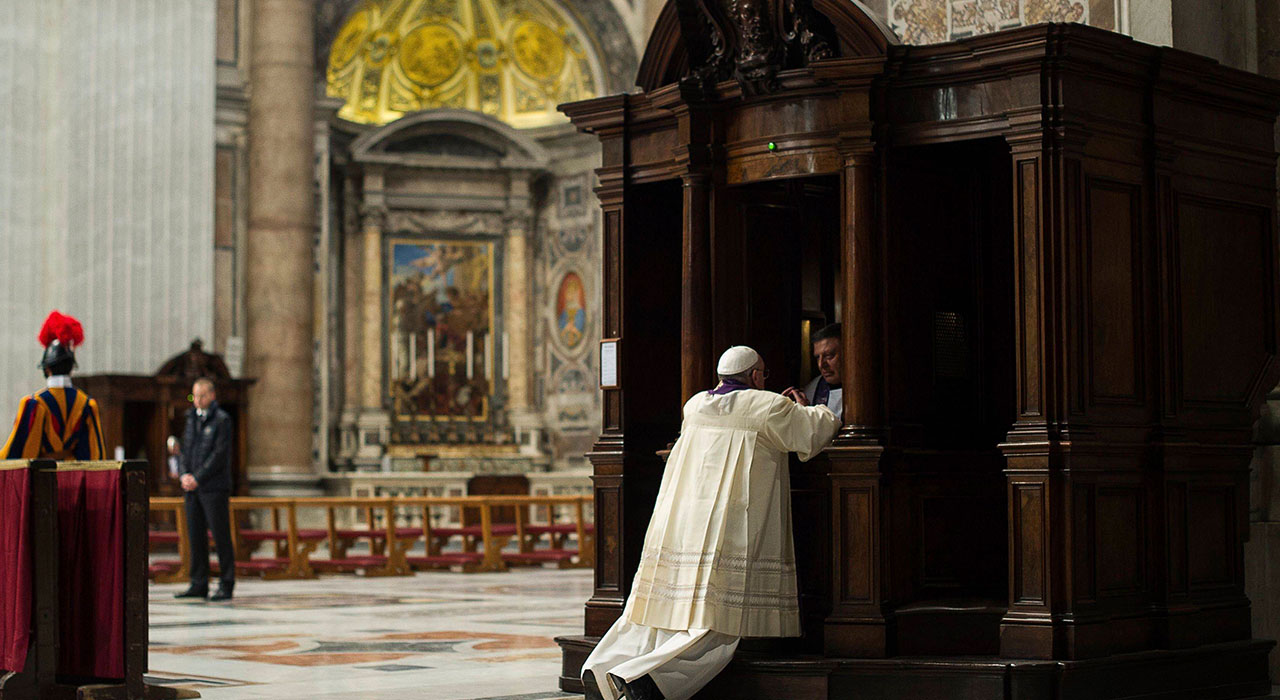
(1027, 629)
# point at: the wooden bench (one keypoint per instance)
(556, 531)
(291, 546)
(384, 558)
(377, 521)
(170, 570)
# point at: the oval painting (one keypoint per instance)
(571, 310)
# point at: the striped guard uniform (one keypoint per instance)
(57, 423)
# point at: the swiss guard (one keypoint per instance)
(60, 422)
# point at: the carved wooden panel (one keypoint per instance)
(1121, 537)
(1225, 290)
(1027, 183)
(1084, 543)
(1114, 287)
(857, 513)
(1030, 539)
(608, 539)
(1176, 515)
(1211, 542)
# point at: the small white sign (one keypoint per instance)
(609, 364)
(234, 355)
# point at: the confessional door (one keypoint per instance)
(949, 393)
(775, 268)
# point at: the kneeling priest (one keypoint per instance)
(718, 562)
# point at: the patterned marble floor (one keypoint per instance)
(434, 636)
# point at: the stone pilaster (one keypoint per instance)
(374, 423)
(518, 287)
(280, 278)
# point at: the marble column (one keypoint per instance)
(280, 279)
(517, 315)
(352, 319)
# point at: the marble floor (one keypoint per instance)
(435, 636)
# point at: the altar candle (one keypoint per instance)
(488, 356)
(395, 356)
(471, 359)
(413, 355)
(431, 352)
(506, 364)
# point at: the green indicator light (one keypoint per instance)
(773, 146)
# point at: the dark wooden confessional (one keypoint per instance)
(1053, 253)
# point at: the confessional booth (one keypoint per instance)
(1052, 250)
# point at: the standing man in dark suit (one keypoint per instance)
(205, 468)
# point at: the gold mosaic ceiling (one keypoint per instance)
(511, 59)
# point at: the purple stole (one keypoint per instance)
(821, 393)
(726, 387)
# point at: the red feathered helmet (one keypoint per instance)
(59, 335)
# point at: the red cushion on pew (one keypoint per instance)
(353, 562)
(265, 564)
(447, 559)
(162, 537)
(379, 533)
(283, 535)
(163, 567)
(541, 555)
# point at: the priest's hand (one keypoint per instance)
(188, 482)
(796, 395)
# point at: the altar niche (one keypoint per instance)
(1052, 252)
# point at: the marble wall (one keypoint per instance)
(106, 180)
(569, 301)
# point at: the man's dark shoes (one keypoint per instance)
(221, 594)
(193, 593)
(590, 687)
(642, 688)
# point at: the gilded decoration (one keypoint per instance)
(935, 21)
(441, 342)
(512, 60)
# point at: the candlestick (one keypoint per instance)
(506, 361)
(431, 352)
(471, 360)
(488, 356)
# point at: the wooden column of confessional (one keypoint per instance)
(1054, 262)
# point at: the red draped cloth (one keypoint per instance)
(91, 556)
(15, 566)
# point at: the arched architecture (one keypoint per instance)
(460, 282)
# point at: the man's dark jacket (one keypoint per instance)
(206, 449)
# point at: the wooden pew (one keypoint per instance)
(292, 546)
(557, 532)
(168, 570)
(386, 557)
(435, 539)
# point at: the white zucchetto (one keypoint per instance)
(736, 360)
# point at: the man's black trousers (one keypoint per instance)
(210, 512)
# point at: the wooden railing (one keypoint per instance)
(391, 527)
